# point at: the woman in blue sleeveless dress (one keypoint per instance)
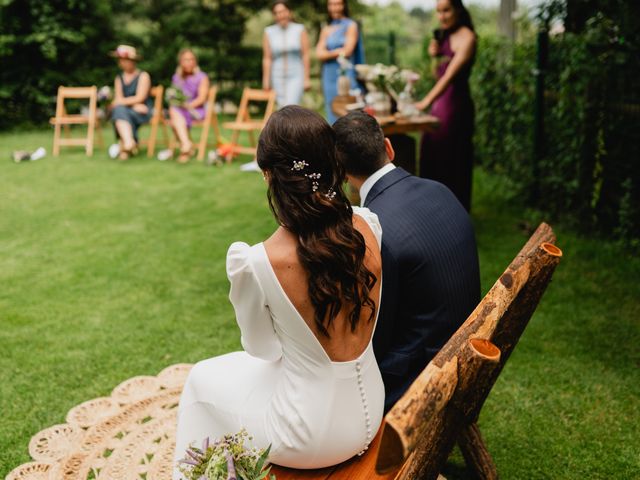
(132, 105)
(446, 155)
(339, 38)
(285, 58)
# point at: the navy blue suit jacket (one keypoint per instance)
(430, 274)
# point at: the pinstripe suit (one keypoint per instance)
(431, 279)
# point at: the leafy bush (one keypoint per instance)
(47, 44)
(588, 168)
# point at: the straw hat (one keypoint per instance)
(125, 51)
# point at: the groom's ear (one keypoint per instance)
(388, 148)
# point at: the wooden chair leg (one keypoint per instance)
(90, 133)
(99, 137)
(234, 144)
(216, 128)
(56, 140)
(475, 453)
(166, 139)
(204, 137)
(151, 143)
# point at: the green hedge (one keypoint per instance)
(588, 173)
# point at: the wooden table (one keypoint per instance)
(391, 124)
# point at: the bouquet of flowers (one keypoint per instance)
(344, 65)
(226, 459)
(387, 78)
(175, 97)
(377, 76)
(104, 95)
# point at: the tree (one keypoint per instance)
(46, 44)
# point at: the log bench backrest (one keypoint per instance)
(444, 402)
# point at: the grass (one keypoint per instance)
(111, 270)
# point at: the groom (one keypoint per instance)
(431, 279)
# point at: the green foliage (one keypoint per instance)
(214, 30)
(588, 166)
(47, 44)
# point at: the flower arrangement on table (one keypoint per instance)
(383, 80)
(387, 78)
(226, 459)
(175, 97)
(344, 84)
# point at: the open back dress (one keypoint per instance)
(283, 388)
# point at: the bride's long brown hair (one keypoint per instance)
(296, 145)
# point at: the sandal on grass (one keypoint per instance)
(185, 155)
(127, 153)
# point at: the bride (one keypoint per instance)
(306, 300)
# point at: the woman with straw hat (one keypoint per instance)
(132, 104)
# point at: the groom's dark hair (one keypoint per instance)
(360, 144)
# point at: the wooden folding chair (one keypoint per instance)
(63, 119)
(244, 123)
(156, 121)
(210, 120)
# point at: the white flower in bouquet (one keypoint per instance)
(226, 458)
(344, 64)
(104, 94)
(409, 77)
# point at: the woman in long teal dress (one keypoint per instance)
(339, 38)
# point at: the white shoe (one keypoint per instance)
(165, 154)
(114, 150)
(38, 154)
(250, 167)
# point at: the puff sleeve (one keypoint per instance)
(372, 220)
(258, 336)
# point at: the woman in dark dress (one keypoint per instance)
(131, 106)
(446, 155)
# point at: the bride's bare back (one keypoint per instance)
(342, 345)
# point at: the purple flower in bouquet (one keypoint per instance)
(226, 459)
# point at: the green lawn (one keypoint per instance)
(110, 270)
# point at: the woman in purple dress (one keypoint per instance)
(195, 85)
(446, 155)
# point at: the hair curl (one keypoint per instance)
(330, 249)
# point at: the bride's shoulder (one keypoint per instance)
(372, 221)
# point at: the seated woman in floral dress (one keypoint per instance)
(194, 84)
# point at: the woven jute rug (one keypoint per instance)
(129, 435)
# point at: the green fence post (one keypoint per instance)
(542, 53)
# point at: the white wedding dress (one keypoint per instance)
(284, 389)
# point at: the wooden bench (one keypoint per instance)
(442, 406)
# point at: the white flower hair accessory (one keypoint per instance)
(300, 165)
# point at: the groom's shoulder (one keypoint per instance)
(406, 186)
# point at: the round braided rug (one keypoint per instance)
(127, 436)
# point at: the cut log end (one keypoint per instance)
(551, 249)
(391, 453)
(485, 349)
